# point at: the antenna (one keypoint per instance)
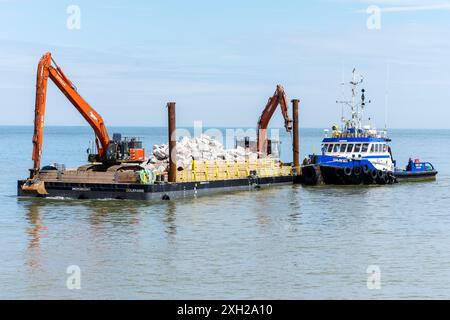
(342, 95)
(386, 100)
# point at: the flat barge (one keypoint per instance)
(132, 182)
(157, 191)
(119, 169)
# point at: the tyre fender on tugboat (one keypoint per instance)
(348, 171)
(382, 177)
(365, 168)
(374, 174)
(392, 178)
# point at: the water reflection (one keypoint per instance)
(295, 208)
(34, 218)
(35, 232)
(170, 220)
(117, 214)
(98, 213)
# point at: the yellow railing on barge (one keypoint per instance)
(226, 170)
(198, 171)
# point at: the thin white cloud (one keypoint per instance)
(395, 3)
(443, 6)
(404, 6)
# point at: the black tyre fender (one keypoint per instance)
(383, 178)
(165, 197)
(374, 174)
(392, 178)
(357, 171)
(365, 168)
(348, 171)
(309, 174)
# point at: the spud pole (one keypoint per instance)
(172, 143)
(295, 136)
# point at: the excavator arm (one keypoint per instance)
(47, 70)
(278, 98)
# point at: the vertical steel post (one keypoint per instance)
(295, 138)
(172, 143)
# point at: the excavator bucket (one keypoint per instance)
(37, 186)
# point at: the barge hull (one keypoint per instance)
(164, 191)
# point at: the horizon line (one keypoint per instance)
(223, 127)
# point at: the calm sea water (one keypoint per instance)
(288, 242)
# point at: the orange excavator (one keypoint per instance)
(278, 98)
(109, 152)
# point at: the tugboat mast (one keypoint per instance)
(354, 125)
(356, 113)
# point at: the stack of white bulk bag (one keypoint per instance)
(202, 148)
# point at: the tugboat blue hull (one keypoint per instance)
(338, 175)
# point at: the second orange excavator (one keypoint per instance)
(109, 152)
(278, 98)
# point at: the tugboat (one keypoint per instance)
(358, 154)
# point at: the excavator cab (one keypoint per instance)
(120, 150)
(111, 153)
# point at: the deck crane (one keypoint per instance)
(278, 98)
(109, 151)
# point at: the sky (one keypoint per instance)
(221, 60)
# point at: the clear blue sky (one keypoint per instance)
(220, 61)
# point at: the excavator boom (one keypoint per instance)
(46, 70)
(278, 98)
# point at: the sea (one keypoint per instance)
(287, 242)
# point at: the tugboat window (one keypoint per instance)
(372, 148)
(365, 147)
(350, 148)
(330, 148)
(377, 148)
(357, 147)
(343, 147)
(336, 147)
(325, 147)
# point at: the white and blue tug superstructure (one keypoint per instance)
(358, 154)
